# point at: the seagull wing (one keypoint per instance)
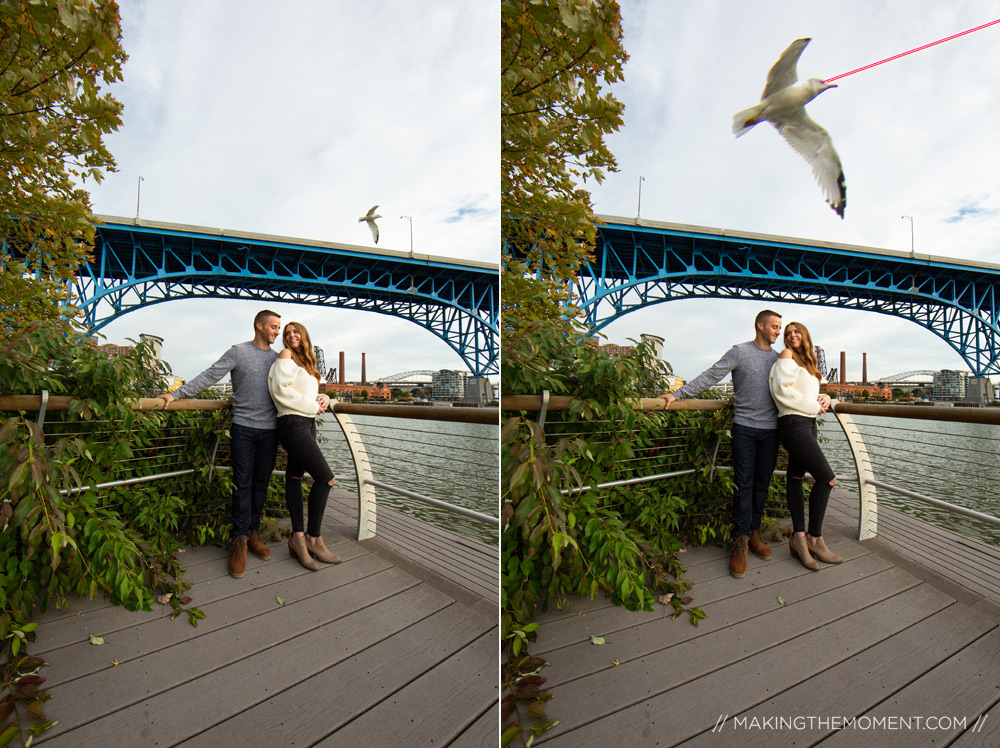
(782, 74)
(371, 212)
(373, 226)
(814, 144)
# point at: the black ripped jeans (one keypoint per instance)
(798, 435)
(297, 435)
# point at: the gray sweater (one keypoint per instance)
(252, 404)
(754, 406)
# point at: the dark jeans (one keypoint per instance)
(253, 453)
(297, 435)
(754, 453)
(799, 437)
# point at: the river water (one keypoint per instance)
(955, 462)
(454, 462)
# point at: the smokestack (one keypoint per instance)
(864, 368)
(363, 380)
(843, 367)
(342, 379)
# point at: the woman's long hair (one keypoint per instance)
(304, 357)
(805, 356)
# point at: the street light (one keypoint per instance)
(138, 192)
(913, 284)
(412, 288)
(638, 208)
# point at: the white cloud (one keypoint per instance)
(293, 120)
(917, 136)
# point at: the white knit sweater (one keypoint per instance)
(793, 388)
(293, 389)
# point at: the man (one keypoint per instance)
(253, 438)
(755, 432)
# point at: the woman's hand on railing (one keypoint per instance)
(167, 398)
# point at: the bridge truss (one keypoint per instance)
(138, 263)
(638, 264)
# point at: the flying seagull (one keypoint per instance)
(369, 218)
(783, 104)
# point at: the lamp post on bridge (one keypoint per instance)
(412, 288)
(138, 192)
(638, 208)
(913, 256)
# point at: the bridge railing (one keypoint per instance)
(881, 447)
(387, 448)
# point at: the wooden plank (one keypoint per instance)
(725, 601)
(108, 620)
(853, 686)
(984, 732)
(964, 686)
(482, 732)
(828, 634)
(111, 688)
(146, 636)
(208, 698)
(345, 688)
(429, 711)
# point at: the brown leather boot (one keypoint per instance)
(758, 546)
(738, 563)
(297, 549)
(320, 551)
(238, 559)
(797, 545)
(818, 548)
(257, 546)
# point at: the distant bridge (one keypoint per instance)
(407, 376)
(637, 263)
(899, 378)
(138, 263)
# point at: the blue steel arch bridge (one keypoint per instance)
(138, 262)
(641, 262)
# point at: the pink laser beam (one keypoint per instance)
(917, 49)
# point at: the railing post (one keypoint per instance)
(43, 405)
(363, 470)
(868, 509)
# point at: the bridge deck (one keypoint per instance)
(367, 652)
(878, 636)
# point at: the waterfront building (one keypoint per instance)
(348, 392)
(448, 384)
(979, 390)
(849, 391)
(950, 384)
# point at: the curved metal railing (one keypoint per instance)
(362, 426)
(874, 443)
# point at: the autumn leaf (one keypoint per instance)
(596, 639)
(164, 598)
(782, 600)
(281, 600)
(96, 639)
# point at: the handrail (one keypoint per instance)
(486, 416)
(842, 411)
(342, 413)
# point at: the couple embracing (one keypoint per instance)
(275, 399)
(776, 399)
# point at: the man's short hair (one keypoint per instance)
(762, 317)
(262, 316)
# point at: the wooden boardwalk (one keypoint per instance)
(879, 638)
(372, 651)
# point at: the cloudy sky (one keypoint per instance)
(917, 137)
(293, 119)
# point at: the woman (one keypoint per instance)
(294, 385)
(794, 383)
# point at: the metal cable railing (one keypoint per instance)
(872, 440)
(369, 445)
